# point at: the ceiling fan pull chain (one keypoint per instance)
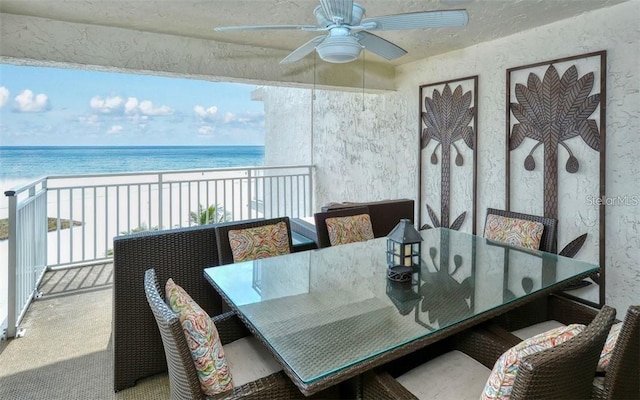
(313, 91)
(363, 55)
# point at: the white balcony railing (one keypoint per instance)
(59, 221)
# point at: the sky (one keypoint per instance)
(41, 106)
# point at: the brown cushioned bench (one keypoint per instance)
(384, 214)
(181, 254)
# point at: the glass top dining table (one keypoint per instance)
(330, 314)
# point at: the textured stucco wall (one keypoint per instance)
(363, 155)
(373, 154)
(343, 149)
(615, 30)
(287, 129)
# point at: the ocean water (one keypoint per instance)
(24, 163)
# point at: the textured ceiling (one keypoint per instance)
(488, 19)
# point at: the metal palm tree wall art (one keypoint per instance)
(448, 126)
(550, 112)
(553, 117)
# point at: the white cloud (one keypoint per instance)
(138, 119)
(28, 102)
(147, 108)
(245, 118)
(206, 130)
(130, 106)
(4, 96)
(114, 103)
(109, 105)
(206, 113)
(90, 120)
(229, 117)
(115, 129)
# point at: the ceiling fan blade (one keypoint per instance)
(303, 50)
(268, 27)
(417, 20)
(337, 9)
(380, 46)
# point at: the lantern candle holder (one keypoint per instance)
(403, 251)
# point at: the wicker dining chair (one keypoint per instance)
(225, 252)
(548, 241)
(565, 371)
(320, 218)
(183, 378)
(621, 378)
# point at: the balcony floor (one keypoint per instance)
(66, 351)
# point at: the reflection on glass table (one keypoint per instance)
(328, 315)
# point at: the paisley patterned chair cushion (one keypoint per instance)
(500, 382)
(609, 345)
(259, 242)
(354, 228)
(203, 340)
(514, 231)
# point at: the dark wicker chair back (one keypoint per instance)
(567, 370)
(622, 380)
(321, 226)
(182, 254)
(222, 233)
(183, 378)
(385, 214)
(548, 241)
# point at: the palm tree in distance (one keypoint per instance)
(210, 215)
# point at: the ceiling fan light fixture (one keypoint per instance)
(345, 33)
(339, 49)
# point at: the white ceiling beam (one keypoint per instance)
(38, 41)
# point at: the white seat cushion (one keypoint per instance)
(453, 375)
(531, 331)
(249, 360)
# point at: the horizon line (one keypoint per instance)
(138, 145)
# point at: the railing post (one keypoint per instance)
(12, 263)
(160, 209)
(45, 187)
(34, 249)
(311, 192)
(249, 204)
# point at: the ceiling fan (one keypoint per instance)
(347, 33)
